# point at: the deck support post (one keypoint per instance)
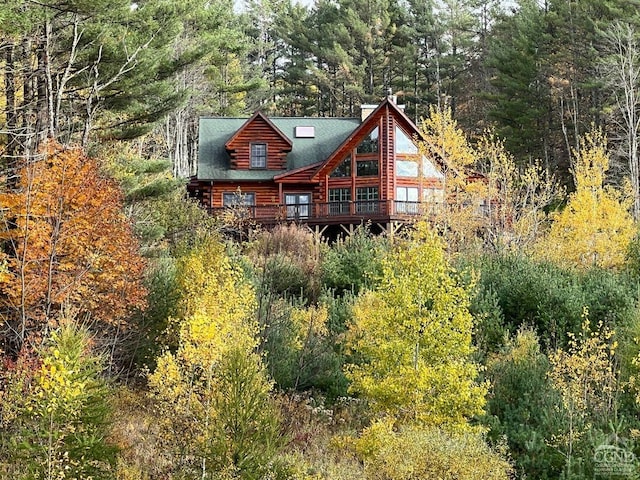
(317, 231)
(349, 231)
(392, 228)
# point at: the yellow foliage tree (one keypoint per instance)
(54, 412)
(411, 342)
(517, 196)
(412, 336)
(587, 379)
(466, 192)
(488, 197)
(595, 228)
(443, 137)
(213, 395)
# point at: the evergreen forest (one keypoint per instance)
(142, 338)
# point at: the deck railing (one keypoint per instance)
(336, 211)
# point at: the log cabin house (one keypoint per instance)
(331, 174)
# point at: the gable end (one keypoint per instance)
(258, 131)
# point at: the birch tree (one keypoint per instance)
(622, 66)
(212, 394)
(54, 412)
(586, 377)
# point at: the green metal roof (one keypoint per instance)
(214, 161)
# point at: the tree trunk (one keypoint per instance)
(51, 132)
(11, 117)
(42, 104)
(624, 79)
(28, 106)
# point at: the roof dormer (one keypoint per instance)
(258, 145)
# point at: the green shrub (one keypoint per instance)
(354, 263)
(521, 406)
(286, 263)
(428, 452)
(152, 323)
(549, 298)
(301, 351)
(490, 328)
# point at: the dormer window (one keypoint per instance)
(258, 155)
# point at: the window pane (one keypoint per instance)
(339, 201)
(406, 168)
(339, 194)
(258, 155)
(367, 200)
(367, 193)
(407, 200)
(297, 205)
(344, 169)
(293, 198)
(370, 143)
(404, 144)
(429, 170)
(230, 199)
(367, 168)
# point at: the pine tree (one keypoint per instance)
(54, 414)
(521, 94)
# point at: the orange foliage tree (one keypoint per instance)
(66, 242)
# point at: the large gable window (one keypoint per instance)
(258, 155)
(404, 144)
(370, 143)
(342, 170)
(366, 155)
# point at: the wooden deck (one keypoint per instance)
(354, 212)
